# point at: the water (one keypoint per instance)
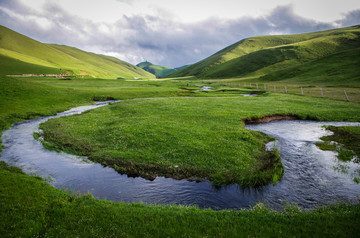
(248, 95)
(203, 88)
(312, 177)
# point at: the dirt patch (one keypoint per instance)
(186, 89)
(257, 92)
(102, 98)
(266, 119)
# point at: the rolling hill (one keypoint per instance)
(285, 57)
(157, 70)
(30, 56)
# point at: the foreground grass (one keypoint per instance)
(188, 137)
(30, 207)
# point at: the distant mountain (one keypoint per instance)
(157, 70)
(20, 54)
(332, 54)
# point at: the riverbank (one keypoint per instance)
(31, 207)
(345, 141)
(192, 138)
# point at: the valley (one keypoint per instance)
(168, 131)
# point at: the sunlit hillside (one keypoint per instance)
(30, 56)
(274, 55)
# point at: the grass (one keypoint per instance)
(25, 98)
(346, 140)
(326, 56)
(49, 57)
(157, 70)
(32, 208)
(338, 68)
(188, 137)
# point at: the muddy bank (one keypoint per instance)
(255, 120)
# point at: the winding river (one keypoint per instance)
(312, 177)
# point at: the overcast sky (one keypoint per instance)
(169, 32)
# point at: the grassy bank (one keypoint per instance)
(25, 98)
(346, 140)
(32, 208)
(188, 137)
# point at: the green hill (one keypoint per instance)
(30, 56)
(157, 70)
(181, 67)
(276, 56)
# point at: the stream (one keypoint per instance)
(312, 177)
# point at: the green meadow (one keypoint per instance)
(30, 206)
(165, 127)
(187, 137)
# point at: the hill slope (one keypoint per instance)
(51, 58)
(257, 56)
(157, 70)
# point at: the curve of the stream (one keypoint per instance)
(312, 177)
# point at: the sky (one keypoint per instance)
(171, 33)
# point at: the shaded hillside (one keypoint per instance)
(157, 70)
(257, 56)
(50, 58)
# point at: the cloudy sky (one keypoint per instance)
(169, 32)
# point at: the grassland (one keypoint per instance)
(32, 208)
(327, 55)
(188, 124)
(188, 137)
(25, 98)
(51, 58)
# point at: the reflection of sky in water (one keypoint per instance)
(309, 179)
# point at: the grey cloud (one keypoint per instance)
(155, 38)
(350, 19)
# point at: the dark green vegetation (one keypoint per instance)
(30, 56)
(331, 55)
(347, 140)
(30, 207)
(188, 137)
(157, 70)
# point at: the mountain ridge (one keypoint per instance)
(262, 55)
(59, 58)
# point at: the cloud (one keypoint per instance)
(350, 19)
(156, 38)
